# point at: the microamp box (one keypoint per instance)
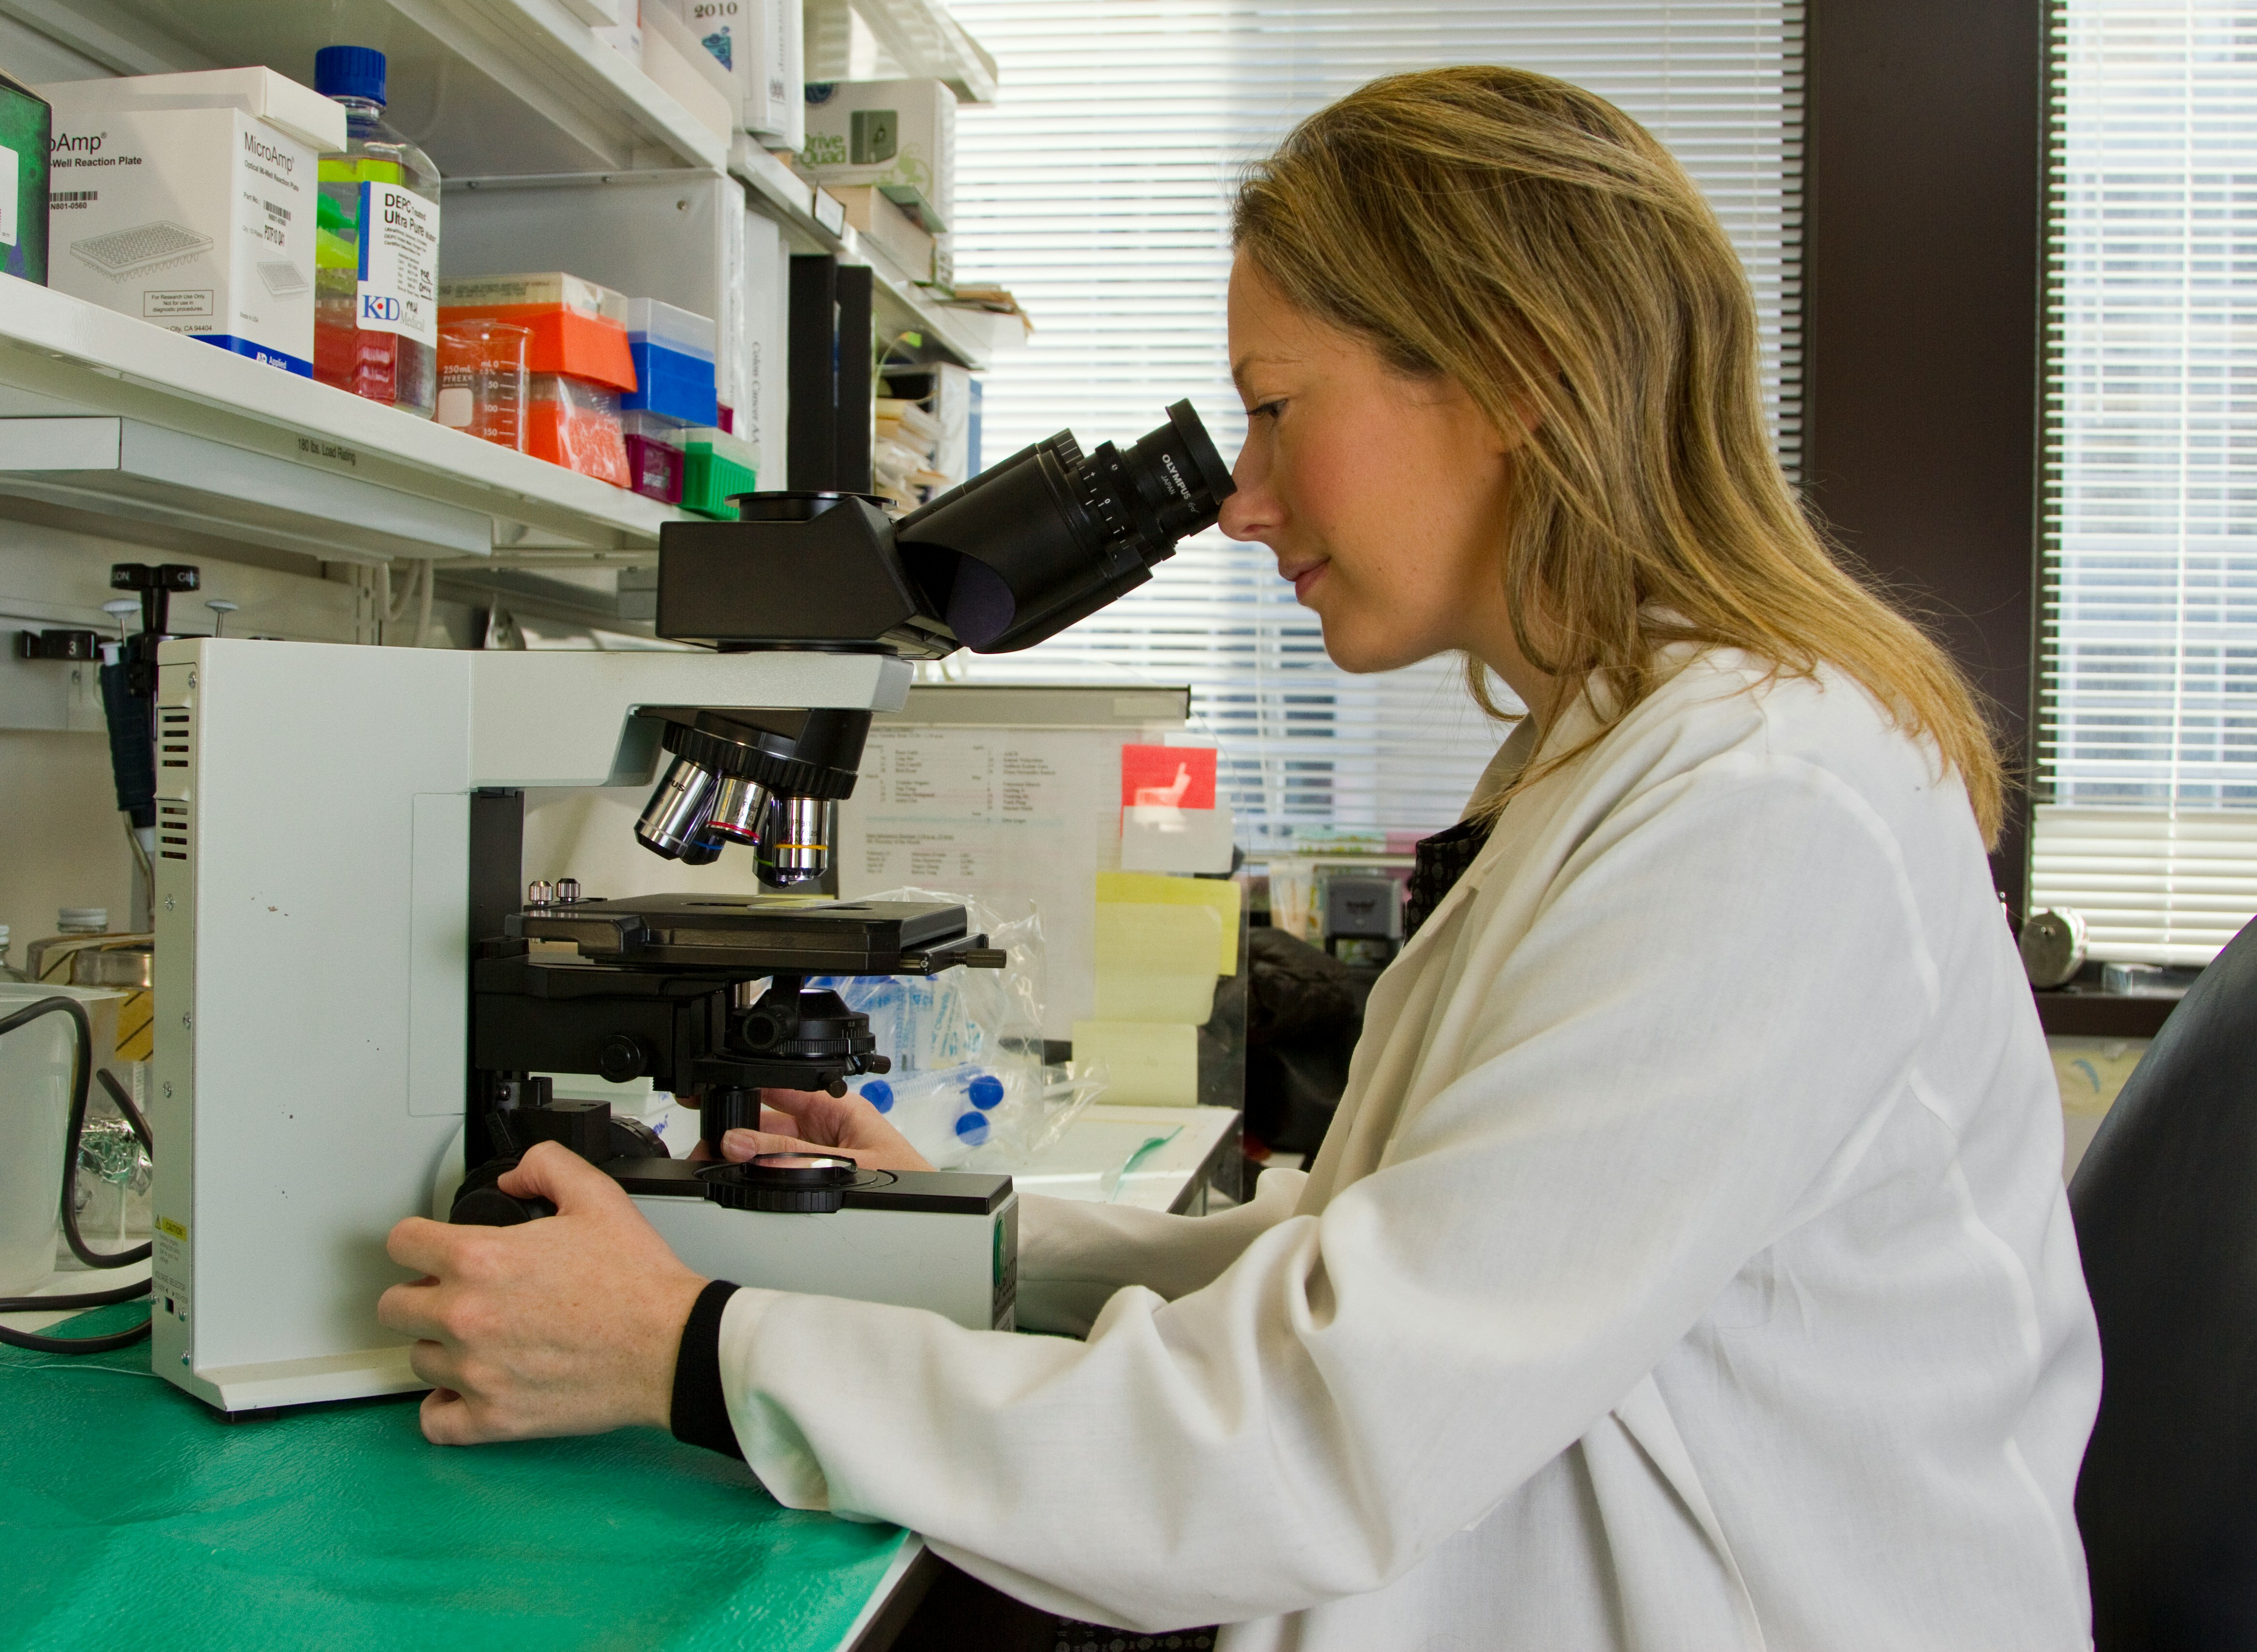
(189, 200)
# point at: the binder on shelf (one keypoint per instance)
(811, 415)
(857, 295)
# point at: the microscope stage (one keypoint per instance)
(762, 934)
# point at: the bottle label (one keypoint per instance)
(399, 263)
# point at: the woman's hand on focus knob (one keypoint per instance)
(567, 1325)
(815, 1122)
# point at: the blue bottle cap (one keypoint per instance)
(880, 1095)
(972, 1127)
(984, 1091)
(350, 71)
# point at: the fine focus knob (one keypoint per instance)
(622, 1059)
(808, 1183)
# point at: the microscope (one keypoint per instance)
(361, 1000)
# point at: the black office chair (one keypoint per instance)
(2166, 1208)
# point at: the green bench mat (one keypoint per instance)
(131, 1515)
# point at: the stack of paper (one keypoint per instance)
(1161, 944)
(901, 457)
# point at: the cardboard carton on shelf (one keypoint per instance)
(887, 230)
(991, 316)
(189, 201)
(901, 132)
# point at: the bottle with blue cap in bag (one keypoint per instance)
(376, 247)
(944, 1114)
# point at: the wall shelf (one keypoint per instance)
(486, 86)
(279, 460)
(901, 305)
(924, 40)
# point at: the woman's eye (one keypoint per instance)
(1266, 410)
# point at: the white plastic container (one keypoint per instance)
(35, 1096)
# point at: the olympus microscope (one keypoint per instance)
(357, 1001)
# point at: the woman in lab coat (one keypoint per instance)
(1687, 1266)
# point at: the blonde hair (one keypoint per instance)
(1531, 242)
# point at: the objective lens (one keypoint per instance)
(673, 818)
(796, 840)
(737, 807)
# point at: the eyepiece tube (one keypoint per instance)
(674, 817)
(738, 807)
(796, 839)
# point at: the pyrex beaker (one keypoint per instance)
(482, 380)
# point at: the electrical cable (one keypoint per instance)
(81, 1083)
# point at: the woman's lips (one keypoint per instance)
(1304, 579)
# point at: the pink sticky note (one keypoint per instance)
(1178, 776)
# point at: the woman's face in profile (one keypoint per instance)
(1383, 496)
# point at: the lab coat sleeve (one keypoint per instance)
(1074, 1255)
(1664, 1071)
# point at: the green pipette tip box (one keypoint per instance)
(25, 128)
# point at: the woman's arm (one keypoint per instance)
(1074, 1255)
(1668, 1070)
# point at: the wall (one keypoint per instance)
(62, 840)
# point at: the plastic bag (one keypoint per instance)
(946, 1115)
(968, 1084)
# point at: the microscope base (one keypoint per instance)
(930, 1239)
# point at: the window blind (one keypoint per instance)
(2146, 817)
(1098, 188)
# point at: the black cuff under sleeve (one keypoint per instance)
(701, 1411)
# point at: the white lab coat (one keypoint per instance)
(1687, 1266)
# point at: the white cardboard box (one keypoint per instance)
(189, 201)
(763, 43)
(686, 73)
(884, 131)
(307, 116)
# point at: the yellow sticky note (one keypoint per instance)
(1155, 961)
(1158, 888)
(1146, 1065)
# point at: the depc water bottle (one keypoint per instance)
(376, 258)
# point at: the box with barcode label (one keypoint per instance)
(197, 219)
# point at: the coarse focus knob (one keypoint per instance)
(491, 1207)
(807, 1183)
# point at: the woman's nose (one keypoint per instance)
(1253, 512)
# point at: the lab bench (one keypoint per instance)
(1154, 1157)
(129, 1509)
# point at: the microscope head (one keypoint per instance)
(1007, 560)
